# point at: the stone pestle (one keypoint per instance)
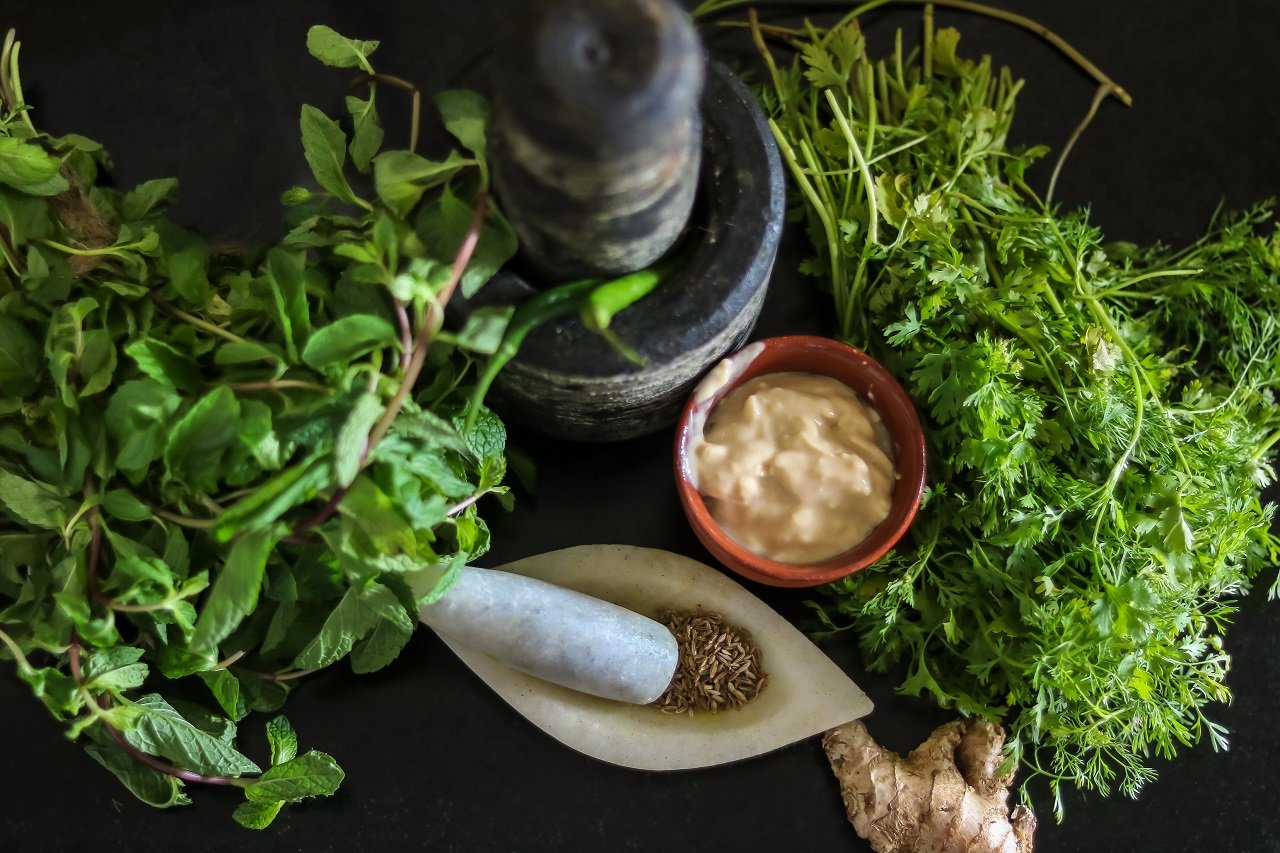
(596, 136)
(613, 143)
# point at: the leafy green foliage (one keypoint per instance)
(1099, 416)
(222, 469)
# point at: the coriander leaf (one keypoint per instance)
(283, 740)
(252, 814)
(348, 338)
(353, 438)
(234, 593)
(325, 147)
(313, 774)
(27, 167)
(464, 113)
(338, 51)
(33, 503)
(160, 730)
(198, 441)
(20, 359)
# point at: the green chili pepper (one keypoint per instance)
(532, 313)
(608, 299)
(596, 303)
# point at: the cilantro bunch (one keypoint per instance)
(1100, 416)
(221, 471)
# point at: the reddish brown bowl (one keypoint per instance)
(860, 372)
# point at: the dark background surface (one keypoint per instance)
(210, 92)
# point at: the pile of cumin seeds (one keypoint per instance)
(720, 667)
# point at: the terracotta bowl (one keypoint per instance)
(861, 373)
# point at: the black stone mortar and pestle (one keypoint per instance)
(614, 143)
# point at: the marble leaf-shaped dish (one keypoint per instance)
(806, 694)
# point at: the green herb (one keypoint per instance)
(232, 470)
(1100, 415)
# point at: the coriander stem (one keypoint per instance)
(873, 215)
(1001, 15)
(1265, 447)
(927, 64)
(1101, 95)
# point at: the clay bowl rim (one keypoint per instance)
(862, 373)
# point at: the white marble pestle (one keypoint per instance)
(557, 634)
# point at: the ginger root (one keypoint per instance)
(944, 797)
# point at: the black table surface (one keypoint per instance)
(210, 92)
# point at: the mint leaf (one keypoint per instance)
(273, 498)
(160, 730)
(20, 359)
(147, 198)
(401, 177)
(283, 740)
(33, 503)
(27, 167)
(313, 774)
(338, 51)
(347, 339)
(465, 113)
(137, 417)
(353, 438)
(289, 295)
(325, 147)
(225, 688)
(383, 644)
(234, 594)
(150, 786)
(193, 454)
(163, 363)
(115, 668)
(367, 135)
(444, 225)
(257, 815)
(359, 611)
(122, 504)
